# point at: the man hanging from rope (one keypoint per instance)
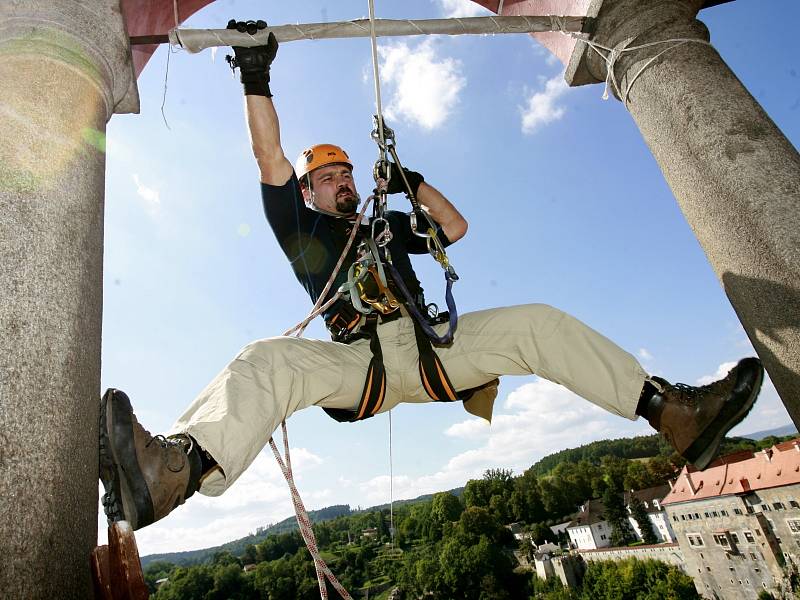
(381, 355)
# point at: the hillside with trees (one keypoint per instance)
(446, 546)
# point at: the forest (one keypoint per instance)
(452, 546)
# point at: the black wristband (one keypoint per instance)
(257, 88)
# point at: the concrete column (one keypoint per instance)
(64, 69)
(735, 175)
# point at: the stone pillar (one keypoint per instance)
(735, 175)
(64, 69)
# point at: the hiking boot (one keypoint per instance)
(145, 476)
(694, 420)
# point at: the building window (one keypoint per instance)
(753, 556)
(696, 515)
(735, 538)
(765, 508)
(707, 514)
(721, 540)
(778, 506)
(695, 540)
(724, 513)
(794, 504)
(794, 525)
(749, 537)
(715, 514)
(737, 511)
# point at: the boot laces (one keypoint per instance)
(690, 395)
(170, 445)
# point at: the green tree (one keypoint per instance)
(639, 513)
(187, 584)
(525, 502)
(230, 583)
(617, 516)
(156, 570)
(633, 579)
(445, 508)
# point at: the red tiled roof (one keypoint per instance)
(739, 473)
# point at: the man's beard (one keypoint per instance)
(347, 202)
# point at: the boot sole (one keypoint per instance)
(112, 496)
(705, 448)
(126, 480)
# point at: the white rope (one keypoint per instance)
(391, 484)
(611, 55)
(376, 77)
(303, 520)
(381, 198)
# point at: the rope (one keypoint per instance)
(378, 105)
(611, 55)
(391, 484)
(304, 522)
(381, 192)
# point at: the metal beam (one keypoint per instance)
(195, 40)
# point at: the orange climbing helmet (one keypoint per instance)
(320, 155)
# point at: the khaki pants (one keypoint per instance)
(235, 415)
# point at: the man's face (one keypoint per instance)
(334, 190)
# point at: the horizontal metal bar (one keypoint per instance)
(195, 40)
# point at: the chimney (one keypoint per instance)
(689, 482)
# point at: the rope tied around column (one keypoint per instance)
(611, 55)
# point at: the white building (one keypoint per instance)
(589, 529)
(651, 498)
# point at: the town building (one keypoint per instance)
(738, 522)
(651, 499)
(589, 529)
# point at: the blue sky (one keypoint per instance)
(566, 207)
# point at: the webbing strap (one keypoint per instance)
(374, 391)
(419, 318)
(431, 370)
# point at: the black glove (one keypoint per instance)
(253, 63)
(396, 185)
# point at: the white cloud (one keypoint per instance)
(424, 88)
(462, 8)
(150, 196)
(722, 371)
(469, 429)
(542, 417)
(644, 354)
(542, 107)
